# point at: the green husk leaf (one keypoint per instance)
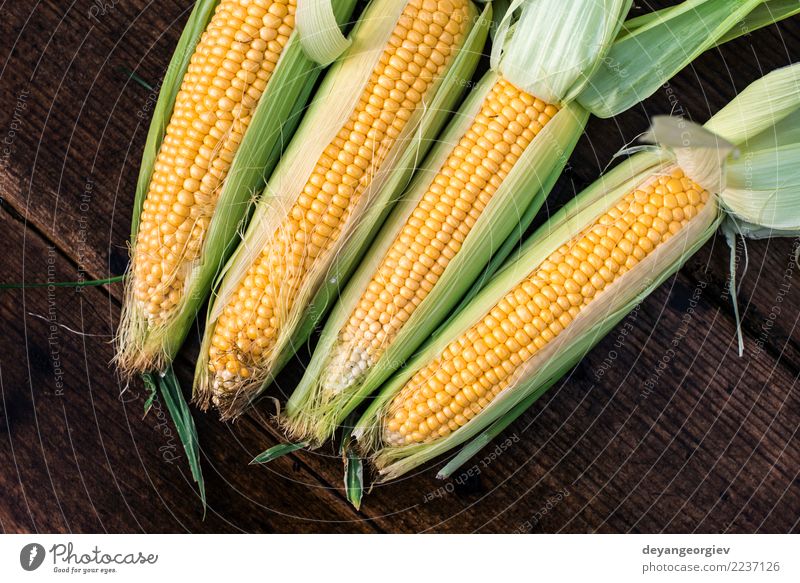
(386, 186)
(752, 182)
(499, 9)
(353, 468)
(319, 31)
(559, 44)
(184, 424)
(730, 238)
(642, 59)
(152, 392)
(353, 477)
(655, 18)
(767, 13)
(75, 284)
(142, 347)
(762, 179)
(277, 451)
(786, 133)
(757, 111)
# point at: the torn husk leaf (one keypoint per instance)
(319, 31)
(562, 44)
(592, 322)
(334, 103)
(651, 49)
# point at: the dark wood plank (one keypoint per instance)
(80, 458)
(77, 152)
(767, 291)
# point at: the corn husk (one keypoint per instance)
(769, 139)
(334, 101)
(562, 45)
(320, 35)
(145, 348)
(578, 46)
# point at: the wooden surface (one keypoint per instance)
(712, 447)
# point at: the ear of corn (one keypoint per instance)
(646, 53)
(428, 253)
(374, 116)
(474, 196)
(585, 270)
(478, 365)
(231, 101)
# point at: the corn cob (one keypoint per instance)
(587, 267)
(495, 166)
(276, 277)
(227, 75)
(198, 173)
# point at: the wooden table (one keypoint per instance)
(711, 447)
